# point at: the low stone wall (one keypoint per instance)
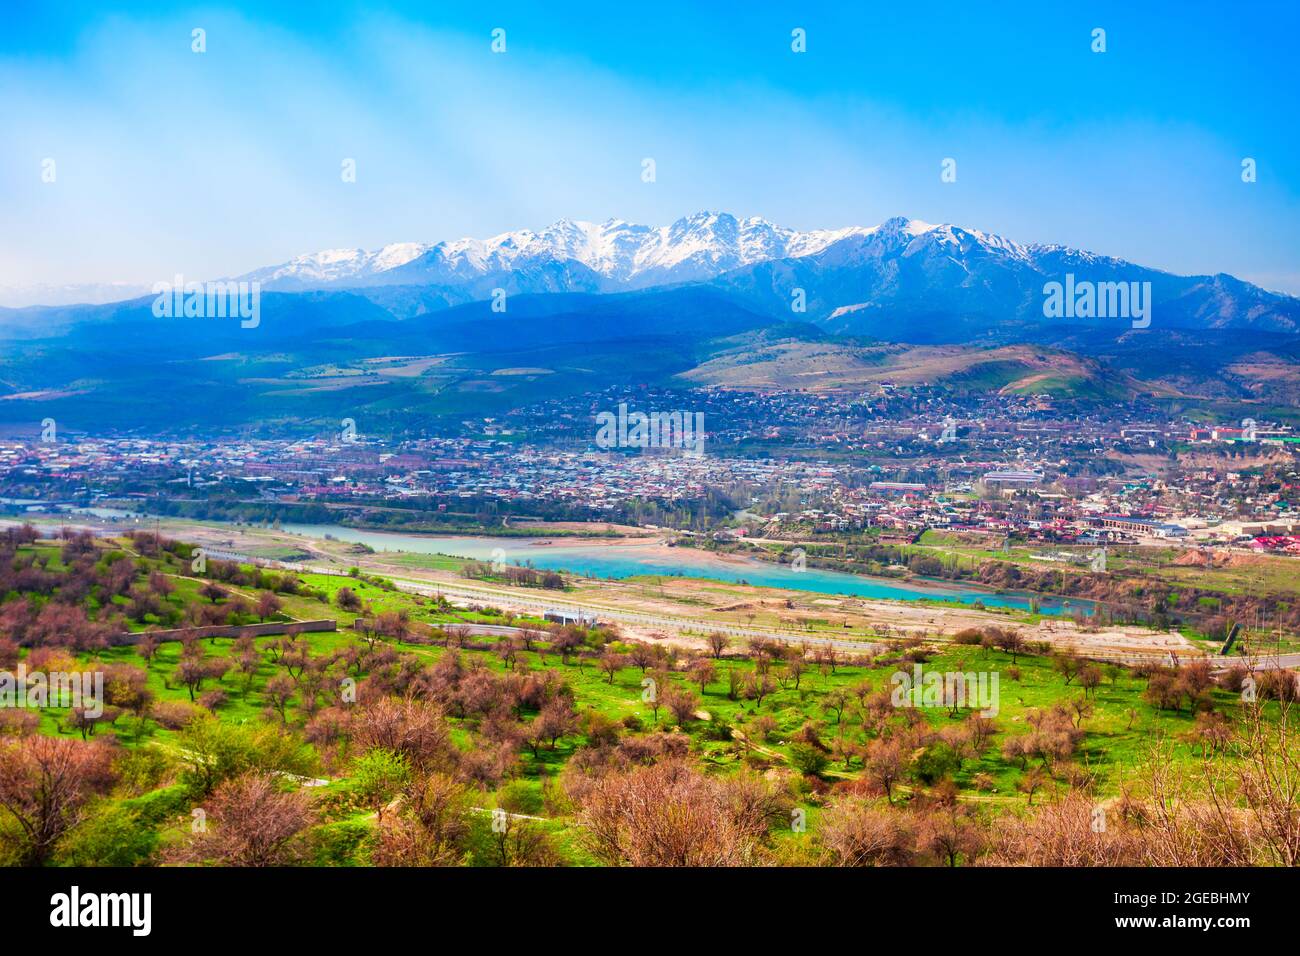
(225, 630)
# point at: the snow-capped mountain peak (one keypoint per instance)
(577, 255)
(331, 266)
(624, 255)
(857, 279)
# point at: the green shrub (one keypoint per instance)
(158, 806)
(340, 843)
(934, 763)
(112, 835)
(808, 760)
(144, 768)
(222, 751)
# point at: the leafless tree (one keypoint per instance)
(251, 820)
(45, 783)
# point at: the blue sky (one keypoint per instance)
(212, 164)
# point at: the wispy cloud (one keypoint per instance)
(215, 163)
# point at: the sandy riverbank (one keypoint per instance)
(690, 606)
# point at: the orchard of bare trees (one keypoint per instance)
(414, 738)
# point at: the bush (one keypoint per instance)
(18, 723)
(717, 729)
(158, 806)
(339, 843)
(935, 762)
(763, 727)
(113, 835)
(144, 768)
(11, 841)
(212, 699)
(174, 714)
(1234, 679)
(808, 760)
(224, 751)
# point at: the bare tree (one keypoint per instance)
(147, 647)
(835, 701)
(430, 829)
(268, 605)
(611, 664)
(854, 833)
(884, 764)
(279, 691)
(682, 704)
(702, 672)
(250, 820)
(212, 591)
(668, 814)
(45, 783)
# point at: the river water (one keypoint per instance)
(631, 560)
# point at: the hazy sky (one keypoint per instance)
(168, 161)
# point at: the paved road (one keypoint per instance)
(1258, 662)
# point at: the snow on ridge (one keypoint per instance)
(694, 247)
(338, 264)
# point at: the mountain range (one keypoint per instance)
(932, 282)
(696, 302)
(567, 256)
(903, 277)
